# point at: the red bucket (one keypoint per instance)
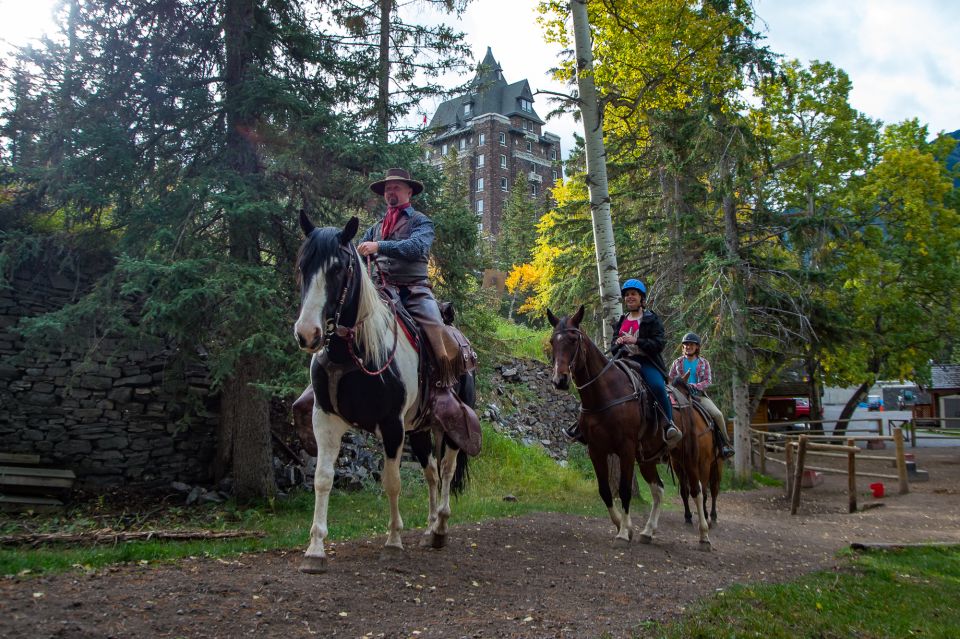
(877, 489)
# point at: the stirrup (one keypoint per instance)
(672, 441)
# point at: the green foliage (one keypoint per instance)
(887, 594)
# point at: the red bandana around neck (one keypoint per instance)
(391, 219)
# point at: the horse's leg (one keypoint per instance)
(627, 459)
(600, 468)
(715, 470)
(698, 477)
(684, 496)
(649, 473)
(448, 465)
(327, 430)
(391, 431)
(420, 444)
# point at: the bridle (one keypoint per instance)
(349, 333)
(576, 355)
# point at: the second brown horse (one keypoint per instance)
(617, 417)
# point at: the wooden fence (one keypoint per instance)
(796, 447)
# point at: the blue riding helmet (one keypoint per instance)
(636, 284)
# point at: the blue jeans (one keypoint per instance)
(658, 386)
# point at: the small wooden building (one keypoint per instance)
(944, 392)
(779, 402)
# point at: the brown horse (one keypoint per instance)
(617, 417)
(708, 459)
(613, 419)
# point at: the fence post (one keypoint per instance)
(763, 453)
(901, 461)
(788, 458)
(913, 433)
(798, 475)
(852, 478)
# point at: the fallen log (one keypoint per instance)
(867, 546)
(116, 536)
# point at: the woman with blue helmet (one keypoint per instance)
(639, 335)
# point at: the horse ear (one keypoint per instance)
(552, 318)
(306, 224)
(577, 317)
(350, 230)
(686, 375)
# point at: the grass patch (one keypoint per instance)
(908, 593)
(518, 340)
(505, 467)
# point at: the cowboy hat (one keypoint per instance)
(394, 175)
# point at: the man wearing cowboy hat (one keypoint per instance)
(399, 244)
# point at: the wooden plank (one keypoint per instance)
(36, 482)
(21, 503)
(19, 458)
(58, 473)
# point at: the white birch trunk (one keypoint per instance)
(738, 323)
(607, 273)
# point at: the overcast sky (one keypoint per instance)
(901, 55)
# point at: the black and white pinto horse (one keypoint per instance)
(365, 373)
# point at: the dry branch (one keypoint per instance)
(114, 536)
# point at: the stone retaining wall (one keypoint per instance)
(113, 415)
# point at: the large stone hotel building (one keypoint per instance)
(498, 138)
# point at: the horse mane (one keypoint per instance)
(374, 332)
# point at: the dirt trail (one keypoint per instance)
(544, 575)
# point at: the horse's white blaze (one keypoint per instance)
(653, 520)
(311, 318)
(328, 430)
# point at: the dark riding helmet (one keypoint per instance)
(691, 338)
(634, 284)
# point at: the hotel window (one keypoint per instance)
(553, 154)
(503, 161)
(467, 108)
(482, 139)
(529, 146)
(556, 175)
(462, 144)
(480, 161)
(534, 189)
(443, 150)
(479, 184)
(526, 105)
(503, 184)
(503, 139)
(479, 207)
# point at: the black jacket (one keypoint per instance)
(651, 341)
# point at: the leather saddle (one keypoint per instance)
(440, 407)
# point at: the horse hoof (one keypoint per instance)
(390, 553)
(688, 521)
(705, 546)
(313, 565)
(620, 541)
(646, 539)
(438, 541)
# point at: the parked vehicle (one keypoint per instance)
(874, 402)
(801, 407)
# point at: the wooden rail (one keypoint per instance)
(797, 447)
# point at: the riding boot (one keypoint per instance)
(573, 432)
(672, 434)
(726, 450)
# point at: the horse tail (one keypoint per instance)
(461, 474)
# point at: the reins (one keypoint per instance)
(349, 333)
